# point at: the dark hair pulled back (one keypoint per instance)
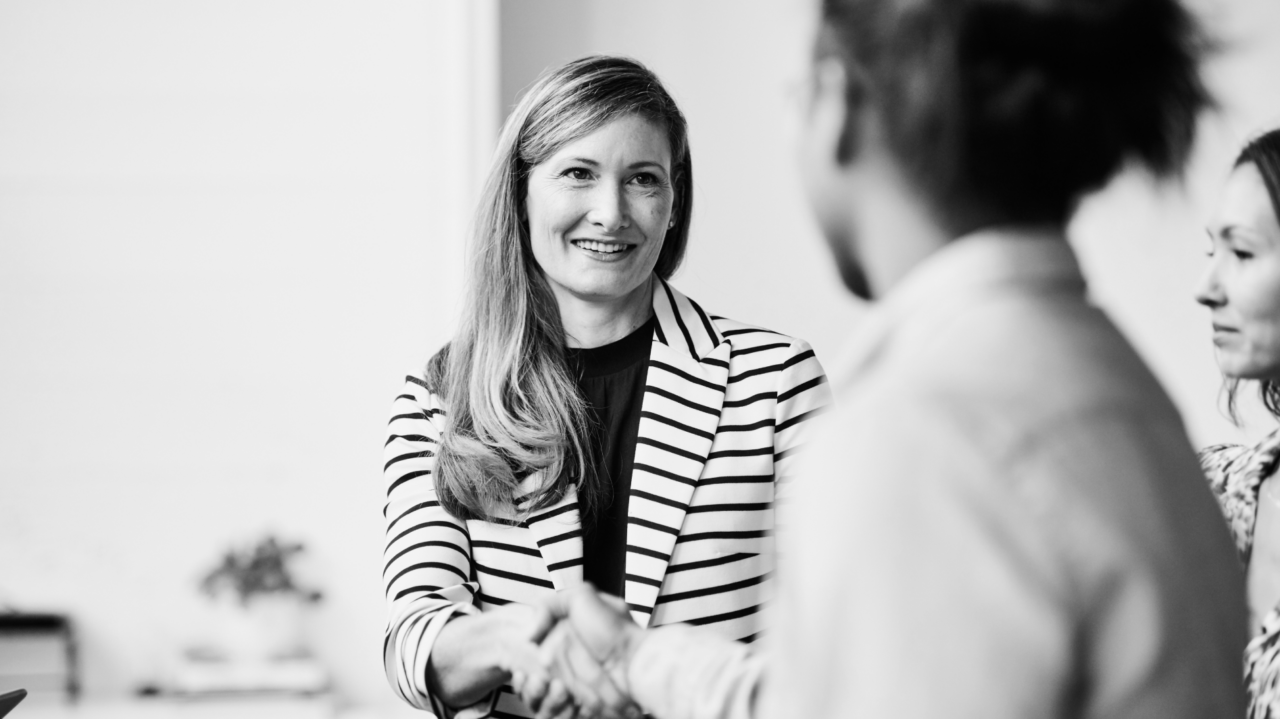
(1016, 108)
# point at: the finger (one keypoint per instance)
(591, 681)
(556, 701)
(534, 691)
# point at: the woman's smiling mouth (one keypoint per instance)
(596, 248)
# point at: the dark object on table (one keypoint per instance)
(38, 652)
(9, 700)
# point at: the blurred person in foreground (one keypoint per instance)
(1003, 519)
(1241, 287)
(587, 422)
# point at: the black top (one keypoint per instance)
(611, 378)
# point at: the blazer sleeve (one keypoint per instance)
(803, 395)
(427, 571)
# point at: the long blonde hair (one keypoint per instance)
(512, 405)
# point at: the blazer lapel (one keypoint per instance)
(684, 393)
(558, 533)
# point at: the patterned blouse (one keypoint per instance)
(1236, 475)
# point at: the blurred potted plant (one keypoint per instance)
(259, 602)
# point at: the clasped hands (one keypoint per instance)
(582, 659)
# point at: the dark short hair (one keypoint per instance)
(1263, 152)
(1019, 107)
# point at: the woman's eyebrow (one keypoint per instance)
(647, 163)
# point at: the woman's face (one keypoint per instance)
(1242, 283)
(598, 210)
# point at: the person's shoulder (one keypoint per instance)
(747, 338)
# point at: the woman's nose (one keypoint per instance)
(609, 209)
(1209, 290)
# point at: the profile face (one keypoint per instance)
(1241, 286)
(598, 211)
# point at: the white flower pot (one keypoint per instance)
(267, 627)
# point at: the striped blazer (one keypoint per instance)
(725, 408)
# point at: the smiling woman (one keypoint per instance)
(1241, 288)
(588, 422)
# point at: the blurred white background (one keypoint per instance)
(227, 230)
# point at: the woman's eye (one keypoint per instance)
(646, 179)
(577, 173)
(1242, 255)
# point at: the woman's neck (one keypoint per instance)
(589, 323)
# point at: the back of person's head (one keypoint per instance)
(1015, 108)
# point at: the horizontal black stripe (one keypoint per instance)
(737, 479)
(420, 545)
(642, 467)
(657, 498)
(642, 580)
(750, 638)
(746, 507)
(411, 510)
(755, 373)
(820, 379)
(409, 438)
(747, 331)
(425, 414)
(751, 400)
(513, 576)
(557, 566)
(715, 363)
(785, 453)
(425, 525)
(699, 536)
(559, 538)
(708, 591)
(427, 565)
(700, 621)
(410, 455)
(406, 477)
(670, 448)
(645, 551)
(678, 425)
(791, 362)
(652, 525)
(485, 544)
(685, 375)
(418, 381)
(741, 452)
(406, 396)
(715, 562)
(761, 348)
(424, 588)
(801, 417)
(744, 427)
(639, 608)
(550, 513)
(681, 400)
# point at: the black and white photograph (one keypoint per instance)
(389, 359)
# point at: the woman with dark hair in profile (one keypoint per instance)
(587, 422)
(1002, 518)
(1241, 288)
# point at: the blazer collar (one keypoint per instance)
(682, 324)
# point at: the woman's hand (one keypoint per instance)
(475, 654)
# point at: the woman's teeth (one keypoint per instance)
(605, 247)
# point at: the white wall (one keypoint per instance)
(755, 254)
(226, 231)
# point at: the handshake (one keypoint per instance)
(574, 662)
